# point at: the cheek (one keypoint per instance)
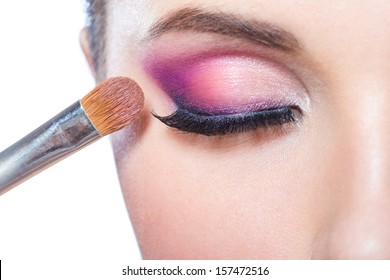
(198, 207)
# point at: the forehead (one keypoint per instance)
(133, 18)
(326, 30)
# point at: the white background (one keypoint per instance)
(70, 218)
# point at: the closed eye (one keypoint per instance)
(193, 121)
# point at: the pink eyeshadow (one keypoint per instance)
(228, 84)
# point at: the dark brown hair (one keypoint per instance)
(96, 22)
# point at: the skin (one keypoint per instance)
(315, 189)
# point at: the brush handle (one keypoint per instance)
(66, 133)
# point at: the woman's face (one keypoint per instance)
(277, 143)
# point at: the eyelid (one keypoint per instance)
(228, 83)
(214, 90)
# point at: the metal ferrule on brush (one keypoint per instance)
(66, 133)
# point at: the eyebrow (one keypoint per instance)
(194, 19)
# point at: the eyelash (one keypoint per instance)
(198, 122)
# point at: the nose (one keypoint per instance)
(360, 230)
(360, 226)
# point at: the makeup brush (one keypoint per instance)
(110, 106)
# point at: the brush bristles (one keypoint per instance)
(113, 104)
